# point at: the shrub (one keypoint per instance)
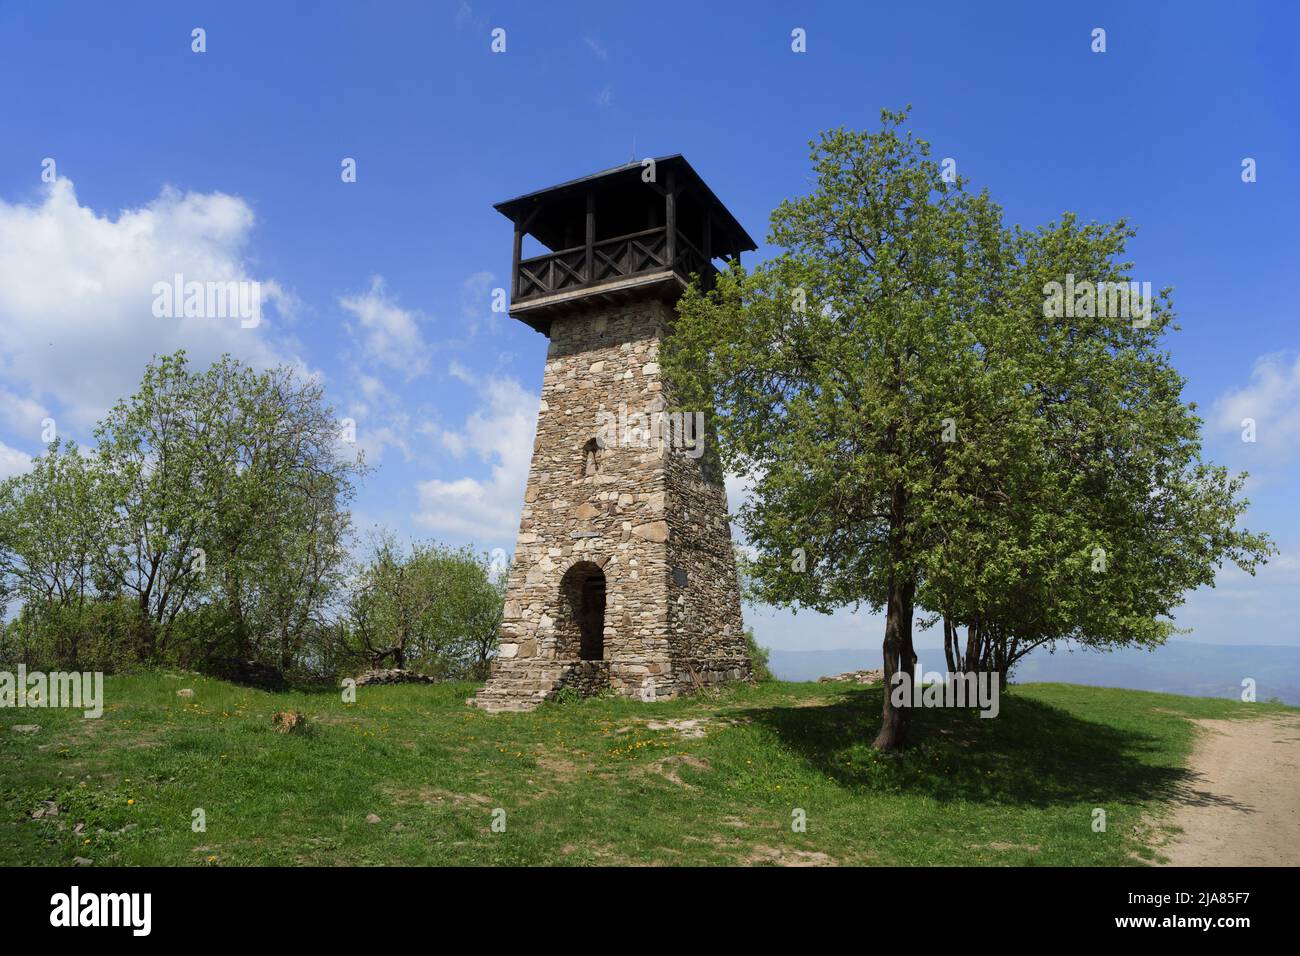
(758, 656)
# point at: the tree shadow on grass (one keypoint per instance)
(1031, 754)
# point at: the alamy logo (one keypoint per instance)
(1102, 300)
(655, 430)
(179, 299)
(951, 690)
(83, 691)
(103, 909)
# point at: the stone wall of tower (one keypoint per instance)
(627, 504)
(706, 633)
(598, 361)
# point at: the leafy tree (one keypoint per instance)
(1102, 515)
(53, 520)
(431, 608)
(222, 492)
(229, 485)
(919, 434)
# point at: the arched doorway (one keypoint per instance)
(583, 588)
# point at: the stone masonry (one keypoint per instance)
(624, 576)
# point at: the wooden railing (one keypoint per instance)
(691, 261)
(622, 257)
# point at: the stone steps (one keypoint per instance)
(521, 686)
(515, 687)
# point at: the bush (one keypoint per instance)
(758, 658)
(96, 635)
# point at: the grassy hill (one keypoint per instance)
(705, 781)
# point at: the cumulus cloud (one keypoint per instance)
(12, 461)
(1272, 400)
(77, 323)
(500, 433)
(388, 335)
(382, 421)
(476, 298)
(23, 415)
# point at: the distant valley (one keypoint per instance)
(1200, 670)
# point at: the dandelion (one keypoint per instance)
(130, 802)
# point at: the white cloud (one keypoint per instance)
(12, 461)
(380, 419)
(389, 335)
(500, 433)
(1246, 609)
(374, 439)
(1272, 400)
(23, 415)
(476, 294)
(76, 295)
(739, 489)
(465, 16)
(606, 96)
(596, 47)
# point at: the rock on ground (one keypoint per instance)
(855, 677)
(289, 721)
(393, 675)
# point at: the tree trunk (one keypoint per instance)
(899, 656)
(144, 632)
(951, 651)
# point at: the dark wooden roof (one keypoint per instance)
(618, 211)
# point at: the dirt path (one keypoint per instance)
(1241, 807)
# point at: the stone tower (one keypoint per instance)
(624, 575)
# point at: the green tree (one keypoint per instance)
(914, 426)
(53, 521)
(222, 492)
(229, 486)
(1101, 517)
(759, 657)
(428, 607)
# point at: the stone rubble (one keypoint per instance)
(855, 677)
(393, 675)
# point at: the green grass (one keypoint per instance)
(589, 782)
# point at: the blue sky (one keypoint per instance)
(227, 164)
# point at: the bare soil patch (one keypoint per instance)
(1240, 805)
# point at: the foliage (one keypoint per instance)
(758, 657)
(429, 607)
(919, 432)
(213, 508)
(211, 524)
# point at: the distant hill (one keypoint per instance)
(1181, 667)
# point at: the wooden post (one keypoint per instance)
(670, 216)
(591, 236)
(514, 265)
(706, 270)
